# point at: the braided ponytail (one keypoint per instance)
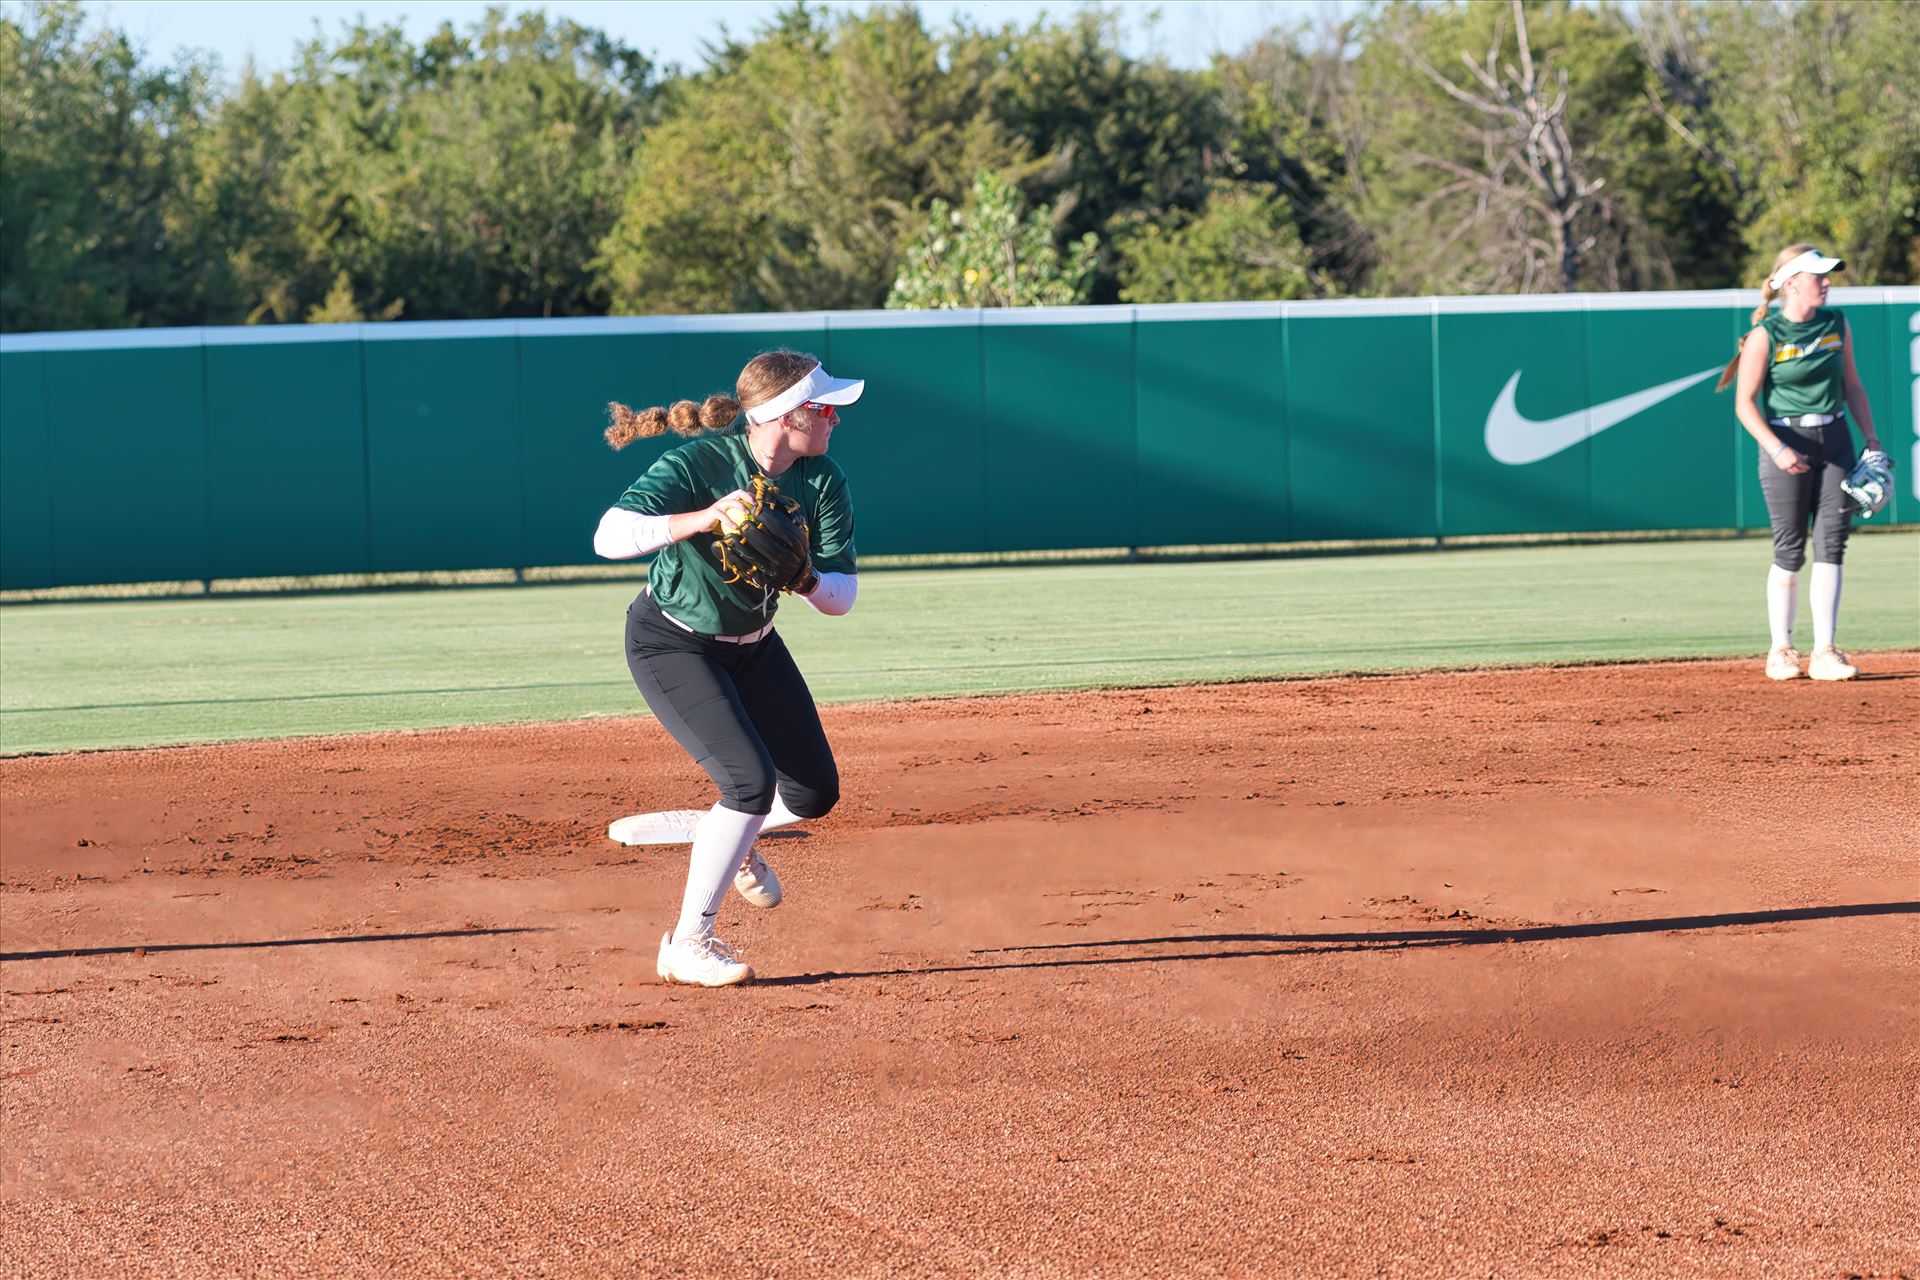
(765, 376)
(1767, 294)
(685, 418)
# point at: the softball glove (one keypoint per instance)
(766, 547)
(1870, 483)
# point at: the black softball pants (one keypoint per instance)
(742, 711)
(1815, 494)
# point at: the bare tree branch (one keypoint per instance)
(1687, 135)
(1478, 104)
(1534, 193)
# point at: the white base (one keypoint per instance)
(674, 826)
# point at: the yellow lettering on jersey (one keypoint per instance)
(1790, 352)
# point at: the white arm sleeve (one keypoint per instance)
(624, 534)
(834, 596)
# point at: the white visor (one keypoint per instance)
(819, 386)
(1812, 262)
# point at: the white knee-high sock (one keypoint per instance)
(720, 845)
(1783, 590)
(781, 815)
(1826, 603)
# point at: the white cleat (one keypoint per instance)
(756, 882)
(1783, 664)
(1828, 663)
(701, 962)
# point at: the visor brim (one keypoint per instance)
(1810, 263)
(840, 391)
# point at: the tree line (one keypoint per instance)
(531, 166)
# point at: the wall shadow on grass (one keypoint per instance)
(1243, 946)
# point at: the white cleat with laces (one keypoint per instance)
(1783, 663)
(756, 882)
(701, 962)
(1828, 663)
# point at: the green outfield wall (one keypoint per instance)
(165, 455)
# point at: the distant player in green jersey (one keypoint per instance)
(703, 650)
(1796, 385)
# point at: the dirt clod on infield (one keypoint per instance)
(1592, 971)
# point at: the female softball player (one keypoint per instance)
(703, 651)
(1796, 385)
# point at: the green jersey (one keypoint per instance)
(686, 577)
(1804, 369)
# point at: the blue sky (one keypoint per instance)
(1185, 32)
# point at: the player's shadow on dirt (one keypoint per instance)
(154, 948)
(1259, 945)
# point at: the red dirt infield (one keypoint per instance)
(1584, 971)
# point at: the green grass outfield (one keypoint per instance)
(143, 672)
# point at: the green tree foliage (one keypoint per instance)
(990, 254)
(1508, 150)
(474, 175)
(796, 167)
(1286, 99)
(94, 153)
(526, 165)
(1694, 210)
(696, 218)
(1113, 137)
(1242, 246)
(1818, 113)
(800, 165)
(903, 124)
(515, 164)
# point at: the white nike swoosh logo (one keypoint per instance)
(1517, 440)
